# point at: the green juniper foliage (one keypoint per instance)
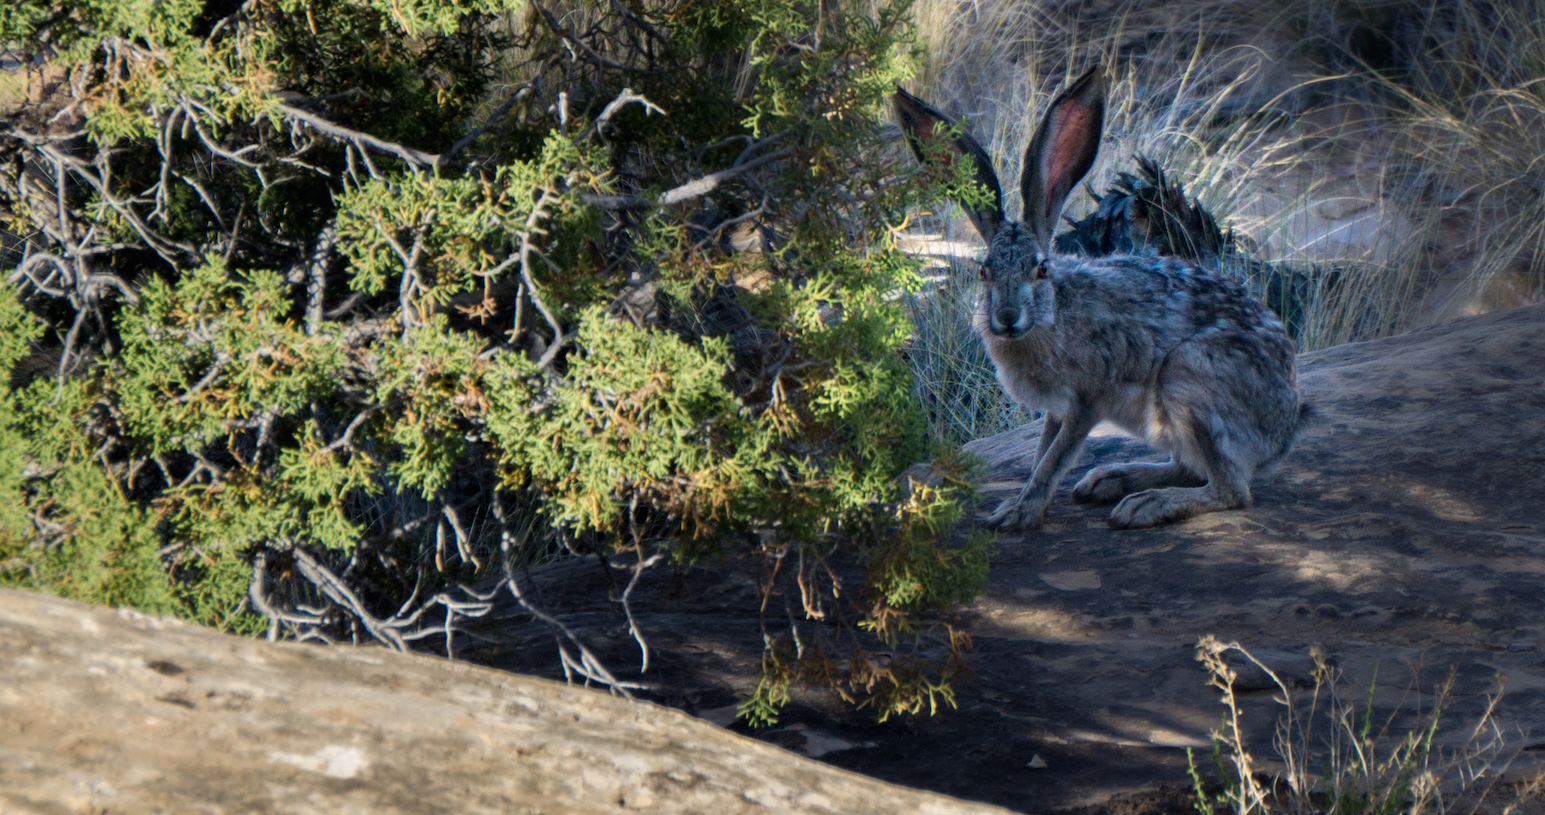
(313, 311)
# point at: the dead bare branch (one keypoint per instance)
(695, 188)
(414, 157)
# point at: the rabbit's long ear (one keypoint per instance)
(920, 121)
(1061, 152)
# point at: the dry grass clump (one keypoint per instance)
(1401, 142)
(955, 380)
(1337, 756)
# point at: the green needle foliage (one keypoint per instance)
(314, 311)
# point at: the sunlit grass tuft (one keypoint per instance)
(956, 382)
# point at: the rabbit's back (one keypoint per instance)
(1176, 300)
(1132, 334)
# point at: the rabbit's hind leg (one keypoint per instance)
(1110, 483)
(1227, 487)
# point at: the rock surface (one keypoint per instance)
(1405, 536)
(116, 712)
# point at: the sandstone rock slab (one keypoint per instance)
(104, 711)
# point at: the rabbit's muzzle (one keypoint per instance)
(1006, 322)
(1007, 316)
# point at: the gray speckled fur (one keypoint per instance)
(1171, 353)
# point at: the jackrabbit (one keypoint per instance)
(1170, 352)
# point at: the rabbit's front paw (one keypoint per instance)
(1103, 485)
(1017, 513)
(1147, 508)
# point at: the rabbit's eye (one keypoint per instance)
(984, 273)
(1040, 271)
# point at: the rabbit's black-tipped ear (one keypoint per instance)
(919, 121)
(1061, 152)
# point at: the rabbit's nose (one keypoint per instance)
(1007, 317)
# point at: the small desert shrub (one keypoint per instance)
(1337, 758)
(343, 306)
